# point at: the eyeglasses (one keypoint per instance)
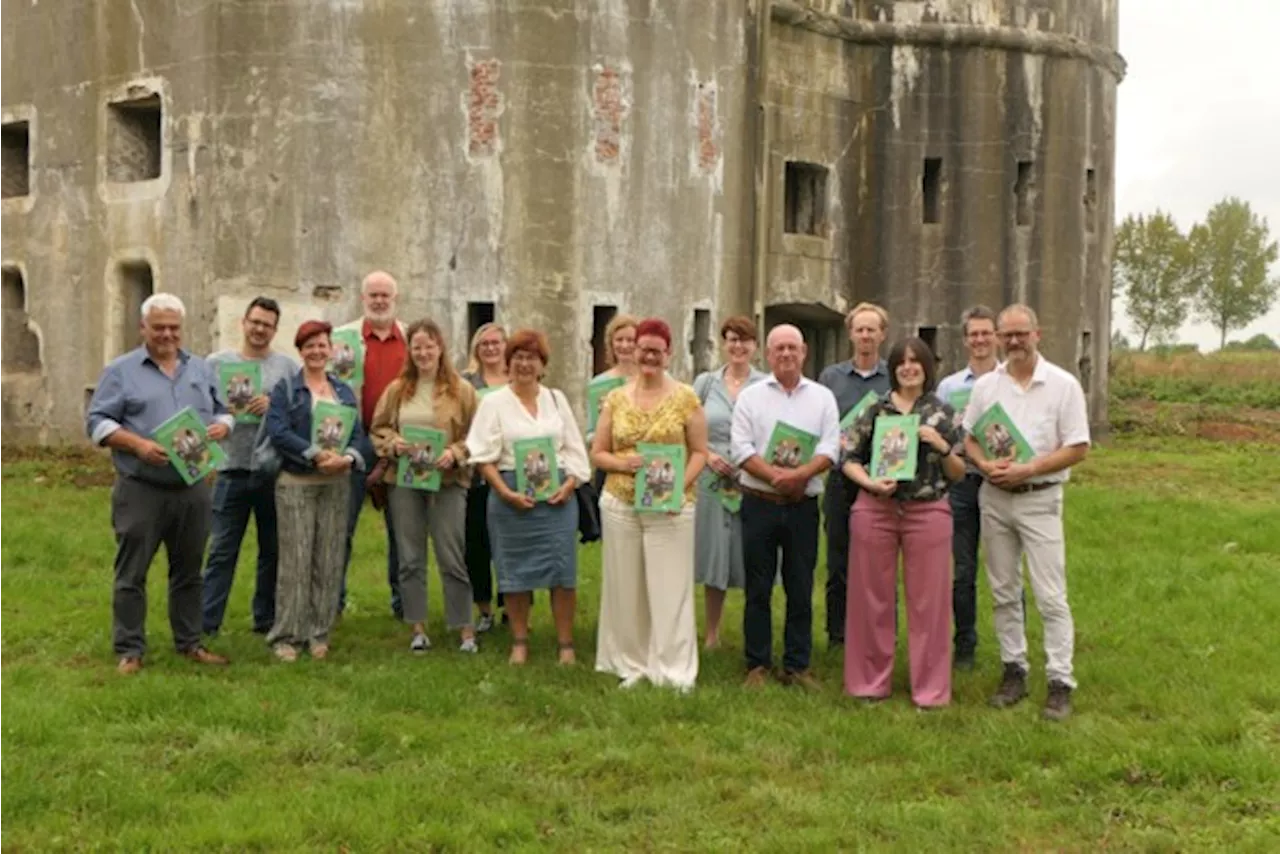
(652, 351)
(981, 333)
(261, 324)
(1011, 334)
(730, 340)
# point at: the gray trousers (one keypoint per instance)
(311, 520)
(144, 516)
(415, 513)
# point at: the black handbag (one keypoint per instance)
(588, 513)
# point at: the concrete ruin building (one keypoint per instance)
(549, 163)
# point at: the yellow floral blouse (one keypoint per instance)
(664, 425)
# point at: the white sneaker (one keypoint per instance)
(420, 643)
(484, 624)
(468, 645)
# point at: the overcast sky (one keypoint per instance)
(1199, 119)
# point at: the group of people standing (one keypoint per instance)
(746, 514)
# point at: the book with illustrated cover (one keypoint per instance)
(846, 423)
(416, 468)
(725, 489)
(331, 425)
(537, 469)
(597, 390)
(347, 361)
(1000, 437)
(789, 447)
(660, 480)
(241, 382)
(186, 440)
(959, 400)
(895, 447)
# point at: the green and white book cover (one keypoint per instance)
(789, 446)
(660, 481)
(417, 468)
(331, 425)
(1000, 437)
(537, 469)
(725, 489)
(959, 400)
(894, 447)
(186, 440)
(241, 382)
(597, 390)
(347, 361)
(851, 417)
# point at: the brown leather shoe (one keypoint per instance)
(200, 655)
(757, 677)
(800, 679)
(1057, 706)
(129, 665)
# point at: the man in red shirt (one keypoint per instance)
(385, 350)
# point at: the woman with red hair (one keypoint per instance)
(647, 627)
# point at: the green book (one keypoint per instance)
(1000, 437)
(482, 393)
(331, 425)
(790, 447)
(416, 468)
(959, 400)
(186, 440)
(660, 481)
(894, 447)
(347, 361)
(241, 382)
(725, 489)
(537, 470)
(850, 417)
(597, 390)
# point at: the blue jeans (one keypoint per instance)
(236, 495)
(966, 525)
(393, 554)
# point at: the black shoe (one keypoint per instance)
(1013, 687)
(963, 661)
(1057, 706)
(262, 630)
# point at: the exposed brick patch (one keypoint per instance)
(610, 106)
(484, 105)
(708, 128)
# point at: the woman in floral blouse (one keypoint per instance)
(908, 517)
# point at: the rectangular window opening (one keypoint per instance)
(134, 139)
(134, 284)
(805, 189)
(600, 317)
(478, 314)
(929, 335)
(16, 165)
(21, 346)
(931, 187)
(702, 346)
(1022, 193)
(1090, 200)
(1085, 364)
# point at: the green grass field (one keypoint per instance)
(1174, 553)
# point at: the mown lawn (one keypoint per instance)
(1174, 551)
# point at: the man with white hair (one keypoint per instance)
(384, 352)
(780, 504)
(150, 502)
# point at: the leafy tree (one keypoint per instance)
(1259, 342)
(1151, 270)
(1231, 252)
(1119, 343)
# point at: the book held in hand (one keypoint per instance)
(347, 361)
(186, 440)
(482, 393)
(851, 417)
(416, 468)
(725, 489)
(790, 447)
(959, 400)
(241, 382)
(1000, 438)
(894, 447)
(660, 480)
(537, 469)
(331, 425)
(597, 390)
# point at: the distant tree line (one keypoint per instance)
(1217, 272)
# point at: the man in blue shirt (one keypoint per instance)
(979, 327)
(150, 502)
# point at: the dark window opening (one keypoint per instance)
(135, 284)
(21, 346)
(1090, 200)
(478, 314)
(1085, 364)
(1022, 193)
(16, 165)
(702, 346)
(805, 186)
(929, 335)
(134, 139)
(931, 186)
(600, 317)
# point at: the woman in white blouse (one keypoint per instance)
(533, 535)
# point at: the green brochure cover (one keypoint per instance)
(331, 425)
(725, 489)
(660, 481)
(846, 423)
(537, 470)
(347, 361)
(416, 468)
(597, 390)
(959, 400)
(482, 393)
(790, 447)
(241, 382)
(186, 440)
(894, 447)
(1000, 437)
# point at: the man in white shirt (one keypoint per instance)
(979, 327)
(780, 504)
(1022, 504)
